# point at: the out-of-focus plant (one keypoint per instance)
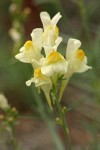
(8, 119)
(51, 69)
(92, 34)
(84, 16)
(18, 16)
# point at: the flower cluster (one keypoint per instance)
(48, 64)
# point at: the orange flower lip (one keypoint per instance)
(80, 54)
(28, 45)
(54, 57)
(37, 72)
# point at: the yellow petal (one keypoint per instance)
(28, 45)
(80, 54)
(54, 57)
(37, 72)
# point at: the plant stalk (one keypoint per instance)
(63, 120)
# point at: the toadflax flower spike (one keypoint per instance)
(50, 67)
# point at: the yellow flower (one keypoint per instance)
(77, 62)
(76, 57)
(48, 22)
(31, 51)
(43, 82)
(54, 64)
(51, 38)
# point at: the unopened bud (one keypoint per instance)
(13, 7)
(10, 119)
(27, 11)
(59, 121)
(64, 109)
(13, 109)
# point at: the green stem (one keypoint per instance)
(13, 140)
(3, 138)
(64, 122)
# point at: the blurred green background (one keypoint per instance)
(80, 20)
